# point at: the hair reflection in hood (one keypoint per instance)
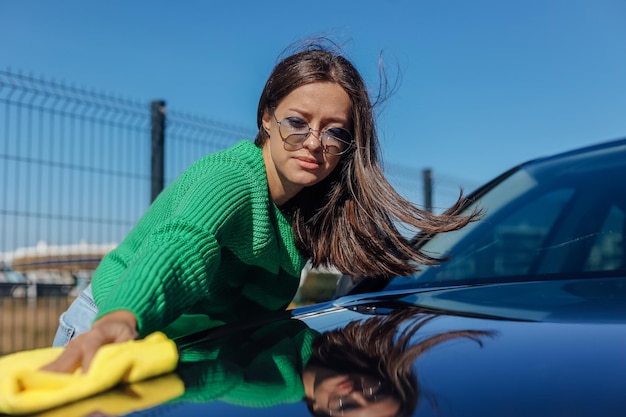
(371, 361)
(365, 369)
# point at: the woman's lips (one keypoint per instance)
(308, 163)
(347, 384)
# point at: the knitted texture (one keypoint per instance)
(250, 367)
(212, 248)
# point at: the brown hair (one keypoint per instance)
(350, 220)
(380, 347)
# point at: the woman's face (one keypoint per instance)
(353, 395)
(321, 105)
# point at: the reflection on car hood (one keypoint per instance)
(524, 349)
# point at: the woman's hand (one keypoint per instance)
(115, 327)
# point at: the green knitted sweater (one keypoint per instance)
(249, 366)
(212, 248)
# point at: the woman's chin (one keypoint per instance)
(306, 180)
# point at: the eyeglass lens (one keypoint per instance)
(368, 387)
(294, 131)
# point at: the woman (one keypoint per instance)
(229, 238)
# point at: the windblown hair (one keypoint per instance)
(381, 348)
(350, 219)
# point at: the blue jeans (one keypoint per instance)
(77, 319)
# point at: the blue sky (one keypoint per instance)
(485, 84)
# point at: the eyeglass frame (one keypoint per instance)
(321, 135)
(369, 393)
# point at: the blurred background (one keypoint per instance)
(102, 103)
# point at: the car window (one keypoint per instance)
(508, 246)
(561, 218)
(609, 249)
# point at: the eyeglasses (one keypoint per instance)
(294, 131)
(369, 388)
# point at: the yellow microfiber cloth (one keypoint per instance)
(24, 388)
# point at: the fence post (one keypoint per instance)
(157, 110)
(427, 177)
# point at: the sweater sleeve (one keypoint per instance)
(169, 261)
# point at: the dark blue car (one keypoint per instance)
(526, 318)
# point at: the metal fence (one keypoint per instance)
(75, 166)
(77, 169)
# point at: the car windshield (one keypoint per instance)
(561, 217)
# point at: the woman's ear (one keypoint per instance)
(267, 122)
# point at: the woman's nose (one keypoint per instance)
(314, 141)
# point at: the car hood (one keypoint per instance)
(535, 348)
